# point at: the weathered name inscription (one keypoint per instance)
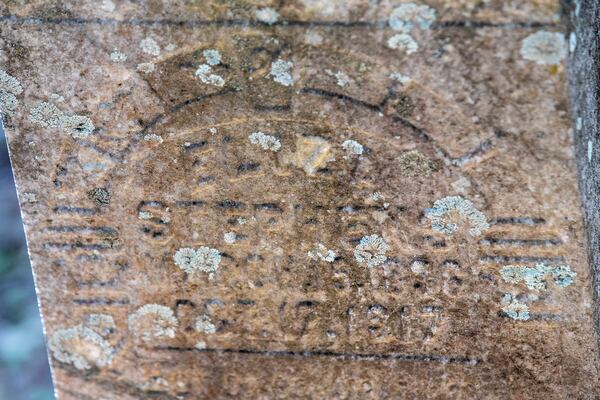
(352, 195)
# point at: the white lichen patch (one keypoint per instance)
(407, 16)
(572, 42)
(353, 147)
(108, 5)
(281, 72)
(10, 88)
(146, 68)
(398, 77)
(117, 57)
(47, 115)
(371, 251)
(153, 321)
(149, 46)
(517, 310)
(212, 56)
(376, 196)
(203, 259)
(200, 345)
(205, 325)
(229, 237)
(439, 213)
(82, 347)
(535, 277)
(267, 15)
(322, 253)
(152, 137)
(578, 123)
(544, 47)
(461, 185)
(204, 73)
(267, 142)
(77, 126)
(29, 197)
(403, 41)
(590, 150)
(145, 215)
(342, 78)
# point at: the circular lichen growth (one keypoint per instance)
(82, 347)
(404, 105)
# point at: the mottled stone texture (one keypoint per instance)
(301, 199)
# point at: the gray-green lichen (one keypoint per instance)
(149, 46)
(544, 47)
(205, 325)
(517, 311)
(322, 253)
(267, 142)
(153, 321)
(204, 71)
(281, 72)
(118, 57)
(229, 237)
(82, 347)
(10, 88)
(371, 251)
(407, 16)
(438, 215)
(203, 259)
(353, 147)
(403, 41)
(47, 115)
(146, 67)
(535, 277)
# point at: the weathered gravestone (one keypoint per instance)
(301, 199)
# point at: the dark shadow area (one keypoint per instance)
(24, 370)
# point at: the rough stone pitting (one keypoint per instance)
(267, 142)
(442, 208)
(153, 321)
(281, 72)
(203, 259)
(414, 163)
(371, 251)
(544, 47)
(100, 196)
(82, 347)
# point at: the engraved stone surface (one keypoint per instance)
(300, 199)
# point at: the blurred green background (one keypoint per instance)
(24, 370)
